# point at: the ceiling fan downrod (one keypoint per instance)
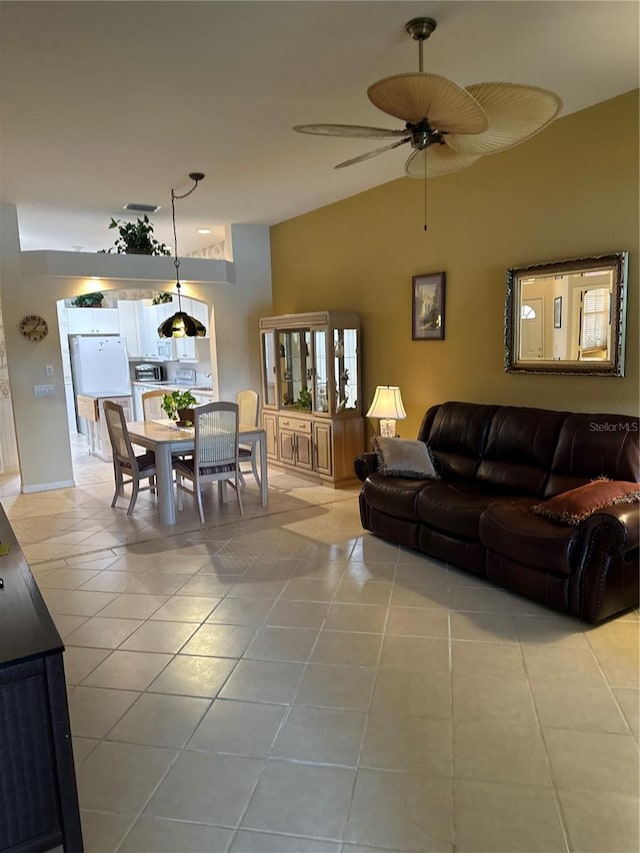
(420, 29)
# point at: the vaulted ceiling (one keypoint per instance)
(105, 103)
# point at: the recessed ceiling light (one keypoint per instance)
(204, 231)
(137, 207)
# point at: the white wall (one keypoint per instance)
(31, 283)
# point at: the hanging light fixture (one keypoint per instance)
(180, 324)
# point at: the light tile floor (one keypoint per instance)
(286, 683)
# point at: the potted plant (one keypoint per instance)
(161, 298)
(179, 407)
(304, 400)
(88, 300)
(136, 238)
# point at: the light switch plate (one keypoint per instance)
(44, 390)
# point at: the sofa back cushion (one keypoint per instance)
(591, 446)
(457, 434)
(520, 449)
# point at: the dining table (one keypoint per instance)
(164, 438)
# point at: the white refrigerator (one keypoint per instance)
(100, 364)
(100, 368)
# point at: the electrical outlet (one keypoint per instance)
(44, 390)
(49, 370)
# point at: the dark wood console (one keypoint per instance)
(38, 796)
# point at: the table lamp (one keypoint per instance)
(387, 405)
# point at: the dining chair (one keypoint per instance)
(215, 456)
(125, 461)
(152, 405)
(248, 405)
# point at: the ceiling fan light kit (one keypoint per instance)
(448, 126)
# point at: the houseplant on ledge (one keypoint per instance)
(88, 300)
(136, 238)
(179, 407)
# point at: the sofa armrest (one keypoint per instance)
(621, 523)
(365, 464)
(606, 576)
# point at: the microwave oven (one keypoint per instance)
(149, 372)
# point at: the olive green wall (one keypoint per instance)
(568, 192)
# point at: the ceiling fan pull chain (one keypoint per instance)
(425, 190)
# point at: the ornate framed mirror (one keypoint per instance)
(567, 317)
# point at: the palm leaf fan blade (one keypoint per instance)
(439, 160)
(361, 157)
(356, 130)
(515, 113)
(414, 97)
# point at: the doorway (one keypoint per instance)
(127, 323)
(531, 330)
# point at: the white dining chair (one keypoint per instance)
(216, 454)
(125, 461)
(152, 405)
(249, 407)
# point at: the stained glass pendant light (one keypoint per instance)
(180, 324)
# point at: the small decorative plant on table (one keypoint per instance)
(179, 407)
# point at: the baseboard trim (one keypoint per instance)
(48, 487)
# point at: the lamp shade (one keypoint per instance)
(181, 325)
(387, 403)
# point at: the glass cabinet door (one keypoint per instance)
(345, 367)
(269, 367)
(295, 368)
(320, 371)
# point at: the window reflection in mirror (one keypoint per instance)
(567, 316)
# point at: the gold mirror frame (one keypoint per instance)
(612, 364)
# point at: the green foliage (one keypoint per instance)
(304, 399)
(161, 298)
(88, 300)
(136, 238)
(177, 400)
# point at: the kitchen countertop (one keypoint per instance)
(165, 383)
(104, 395)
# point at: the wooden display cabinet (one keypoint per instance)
(311, 391)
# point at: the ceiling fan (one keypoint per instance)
(448, 127)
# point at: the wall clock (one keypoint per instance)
(34, 328)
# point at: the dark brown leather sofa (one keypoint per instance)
(495, 463)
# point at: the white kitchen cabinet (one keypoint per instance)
(148, 328)
(185, 349)
(201, 313)
(93, 321)
(151, 317)
(128, 319)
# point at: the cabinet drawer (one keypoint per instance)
(297, 424)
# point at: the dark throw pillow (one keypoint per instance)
(400, 457)
(574, 506)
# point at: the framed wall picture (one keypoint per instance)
(557, 312)
(428, 307)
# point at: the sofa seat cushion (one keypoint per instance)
(456, 507)
(394, 496)
(512, 530)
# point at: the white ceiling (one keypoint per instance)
(105, 103)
